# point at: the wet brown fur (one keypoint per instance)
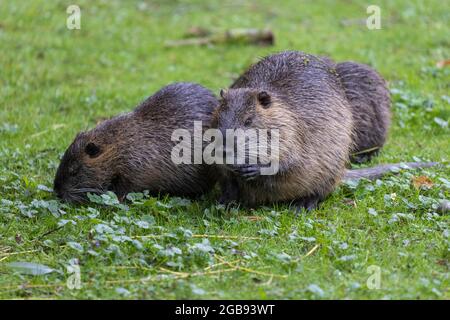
(135, 149)
(370, 102)
(309, 107)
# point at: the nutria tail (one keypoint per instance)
(370, 101)
(379, 171)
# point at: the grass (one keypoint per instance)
(56, 82)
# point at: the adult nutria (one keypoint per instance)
(132, 152)
(370, 101)
(302, 97)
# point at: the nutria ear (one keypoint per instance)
(264, 99)
(223, 93)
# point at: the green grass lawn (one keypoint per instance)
(55, 82)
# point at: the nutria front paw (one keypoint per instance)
(227, 202)
(248, 171)
(230, 192)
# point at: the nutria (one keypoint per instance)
(132, 152)
(370, 101)
(304, 98)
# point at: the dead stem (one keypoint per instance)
(245, 269)
(310, 252)
(6, 255)
(211, 236)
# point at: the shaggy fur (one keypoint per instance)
(310, 108)
(135, 149)
(370, 101)
(327, 113)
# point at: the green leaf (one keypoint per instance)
(441, 122)
(31, 268)
(75, 246)
(44, 188)
(315, 289)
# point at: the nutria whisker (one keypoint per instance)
(86, 190)
(74, 198)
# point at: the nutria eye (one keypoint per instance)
(264, 99)
(248, 122)
(92, 150)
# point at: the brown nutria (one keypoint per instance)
(302, 97)
(132, 152)
(370, 101)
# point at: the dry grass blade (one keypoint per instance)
(4, 249)
(221, 264)
(224, 237)
(31, 286)
(245, 269)
(310, 252)
(196, 274)
(6, 255)
(365, 151)
(208, 236)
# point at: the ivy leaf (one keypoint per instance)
(315, 289)
(30, 268)
(204, 246)
(108, 199)
(44, 188)
(180, 202)
(347, 258)
(142, 224)
(283, 257)
(445, 182)
(75, 246)
(123, 292)
(441, 122)
(308, 239)
(103, 228)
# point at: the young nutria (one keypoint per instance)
(370, 102)
(304, 98)
(132, 152)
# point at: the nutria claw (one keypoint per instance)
(248, 171)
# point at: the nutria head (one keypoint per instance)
(263, 114)
(242, 109)
(90, 163)
(246, 119)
